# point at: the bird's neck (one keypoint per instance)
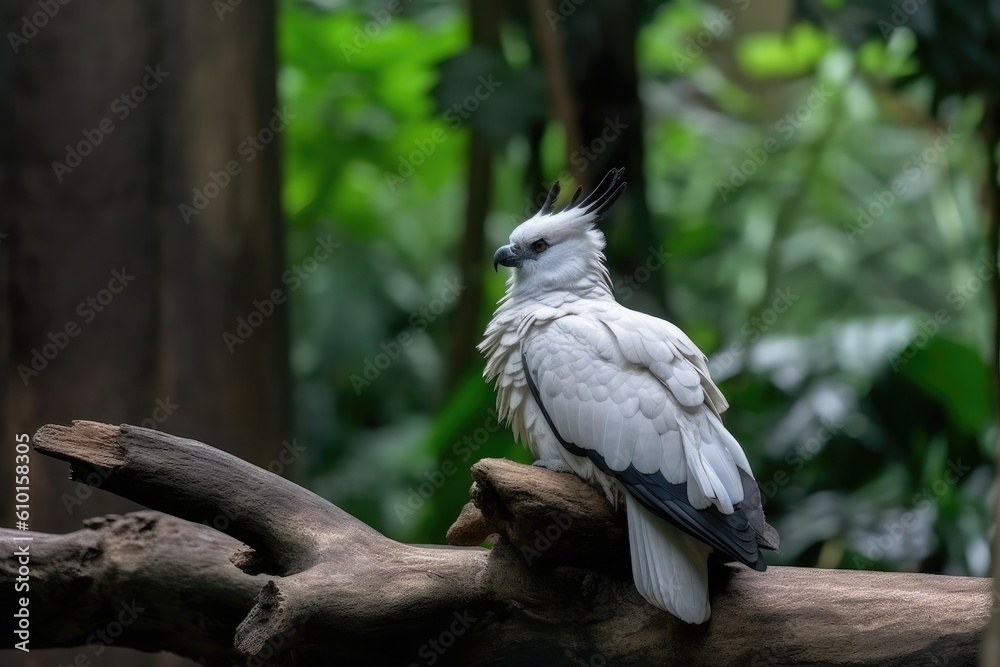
(554, 298)
(592, 282)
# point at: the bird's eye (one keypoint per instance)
(540, 245)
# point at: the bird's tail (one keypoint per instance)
(670, 568)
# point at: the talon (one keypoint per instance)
(555, 465)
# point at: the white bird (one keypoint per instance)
(625, 401)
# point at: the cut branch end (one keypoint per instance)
(84, 441)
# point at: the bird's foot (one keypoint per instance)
(555, 465)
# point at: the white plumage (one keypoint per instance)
(625, 401)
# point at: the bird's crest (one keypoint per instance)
(577, 213)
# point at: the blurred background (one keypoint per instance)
(301, 200)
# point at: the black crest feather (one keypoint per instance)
(598, 201)
(551, 199)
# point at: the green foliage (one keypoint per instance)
(791, 53)
(825, 230)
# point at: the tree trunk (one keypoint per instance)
(554, 589)
(101, 140)
(485, 17)
(612, 134)
(990, 130)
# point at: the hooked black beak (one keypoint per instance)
(504, 255)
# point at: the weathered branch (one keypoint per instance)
(554, 589)
(543, 516)
(168, 584)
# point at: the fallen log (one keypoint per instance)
(313, 585)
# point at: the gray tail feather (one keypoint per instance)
(767, 536)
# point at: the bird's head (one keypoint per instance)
(562, 250)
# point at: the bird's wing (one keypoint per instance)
(650, 333)
(627, 397)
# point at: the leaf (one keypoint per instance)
(795, 52)
(477, 88)
(955, 374)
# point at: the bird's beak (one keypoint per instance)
(504, 255)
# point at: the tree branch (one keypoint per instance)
(172, 580)
(554, 589)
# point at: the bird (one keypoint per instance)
(622, 399)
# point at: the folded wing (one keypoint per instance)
(636, 400)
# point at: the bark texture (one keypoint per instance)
(314, 585)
